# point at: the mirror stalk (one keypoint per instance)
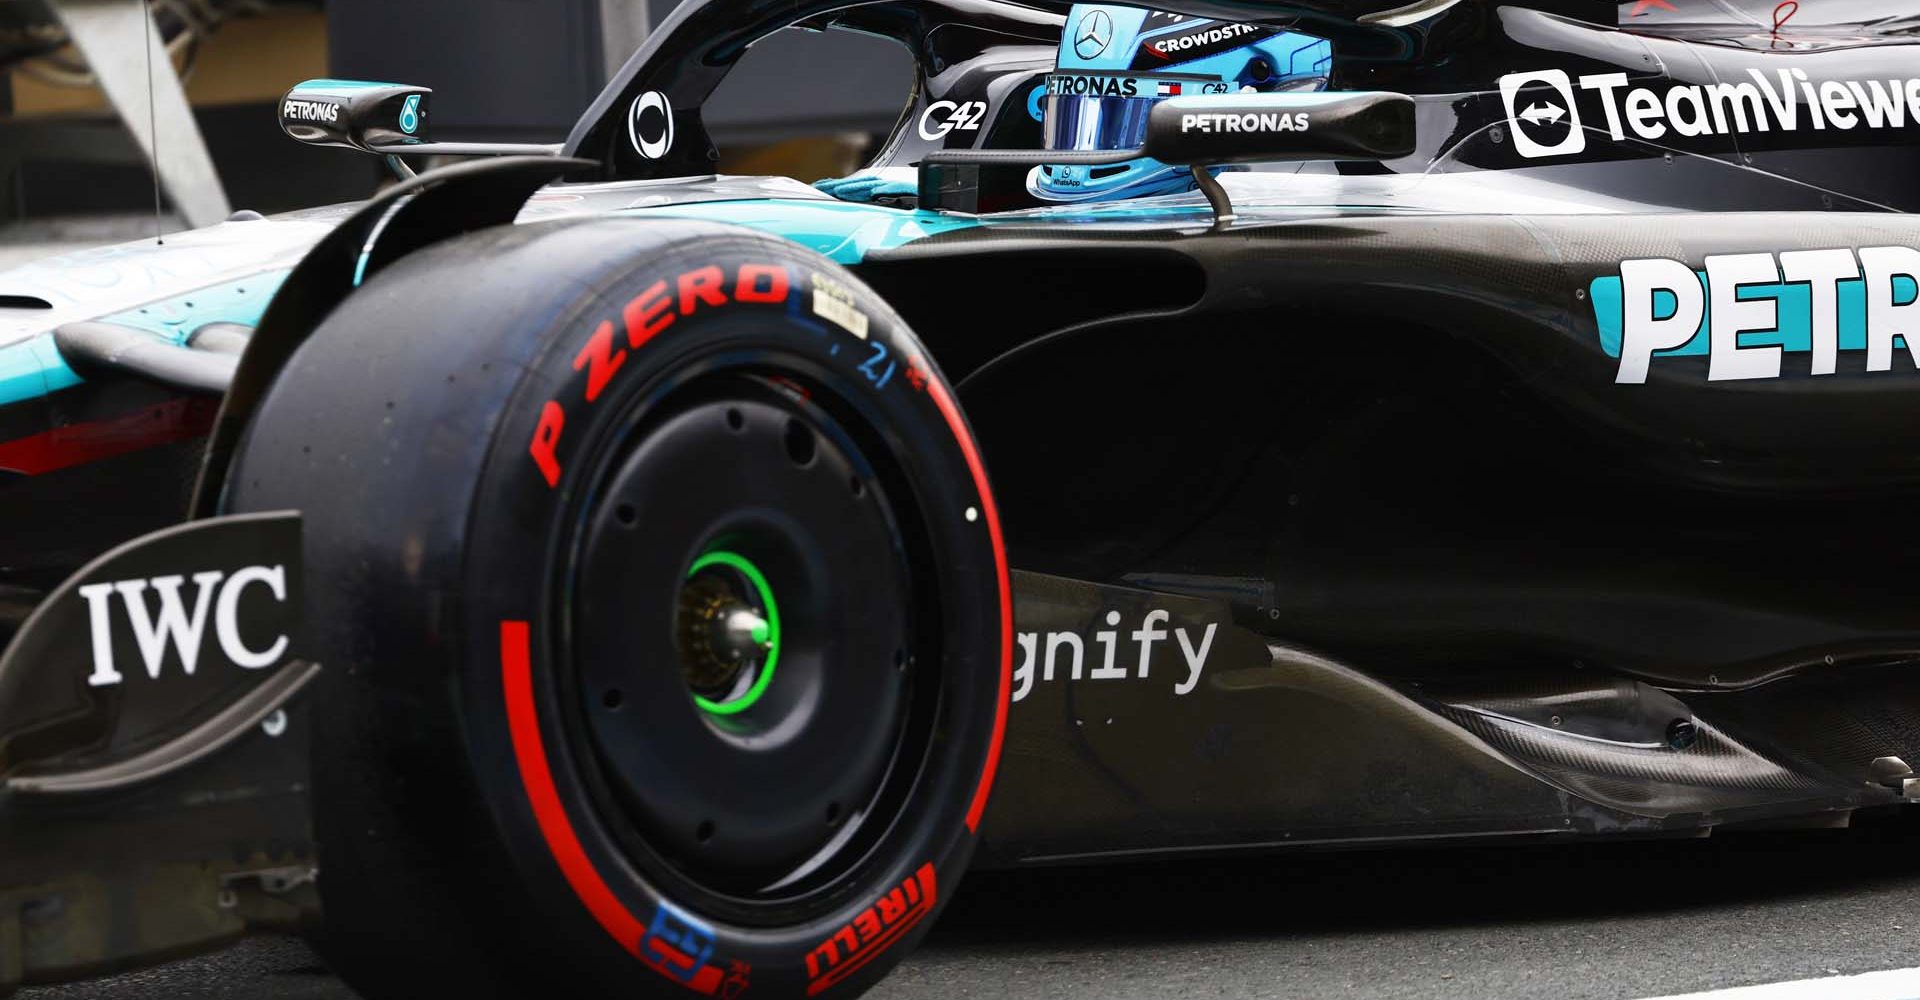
(399, 167)
(1216, 195)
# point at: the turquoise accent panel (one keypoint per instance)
(844, 232)
(1795, 330)
(848, 231)
(1122, 40)
(33, 367)
(340, 88)
(55, 373)
(21, 372)
(1665, 303)
(174, 319)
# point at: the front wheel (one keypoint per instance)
(664, 611)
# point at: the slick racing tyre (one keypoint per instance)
(663, 611)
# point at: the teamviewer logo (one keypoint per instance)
(1545, 120)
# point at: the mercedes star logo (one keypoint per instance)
(1095, 31)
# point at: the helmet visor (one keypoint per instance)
(1088, 122)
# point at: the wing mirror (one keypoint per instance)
(370, 117)
(386, 119)
(1243, 128)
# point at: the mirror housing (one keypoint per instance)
(371, 117)
(1245, 128)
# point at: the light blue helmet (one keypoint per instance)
(1115, 63)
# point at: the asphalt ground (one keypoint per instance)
(1616, 921)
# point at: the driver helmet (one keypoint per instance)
(1116, 63)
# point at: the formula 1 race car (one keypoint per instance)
(574, 572)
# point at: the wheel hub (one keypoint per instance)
(741, 628)
(729, 632)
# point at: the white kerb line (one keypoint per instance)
(1893, 984)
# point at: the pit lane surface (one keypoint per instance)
(1593, 922)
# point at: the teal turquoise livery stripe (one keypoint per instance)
(842, 231)
(33, 367)
(1795, 315)
(174, 319)
(339, 88)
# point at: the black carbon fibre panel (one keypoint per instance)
(1715, 774)
(1832, 720)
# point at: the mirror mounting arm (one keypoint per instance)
(1216, 195)
(466, 149)
(399, 167)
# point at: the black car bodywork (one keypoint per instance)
(1465, 494)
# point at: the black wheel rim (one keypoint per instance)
(753, 491)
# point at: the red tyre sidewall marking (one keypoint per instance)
(530, 754)
(872, 931)
(529, 751)
(646, 315)
(944, 402)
